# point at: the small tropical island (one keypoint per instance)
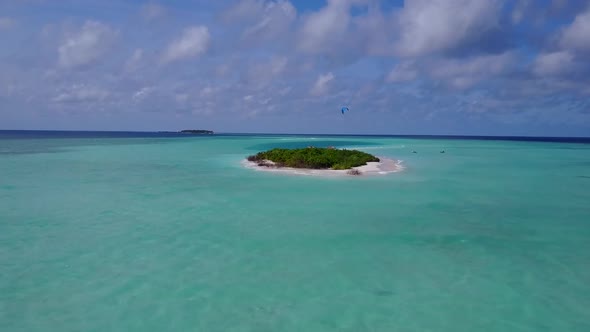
(320, 160)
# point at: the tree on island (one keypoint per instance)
(313, 158)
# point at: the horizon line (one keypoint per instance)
(308, 134)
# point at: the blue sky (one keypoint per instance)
(475, 67)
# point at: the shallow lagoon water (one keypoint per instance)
(174, 234)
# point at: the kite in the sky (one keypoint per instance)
(344, 109)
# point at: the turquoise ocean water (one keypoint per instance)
(173, 234)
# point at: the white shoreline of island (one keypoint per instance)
(382, 167)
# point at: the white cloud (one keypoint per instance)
(457, 73)
(261, 74)
(402, 72)
(273, 20)
(577, 35)
(141, 94)
(181, 98)
(152, 11)
(207, 91)
(377, 31)
(428, 26)
(223, 70)
(86, 45)
(321, 84)
(193, 42)
(519, 10)
(278, 65)
(421, 27)
(285, 91)
(324, 29)
(464, 73)
(556, 63)
(558, 4)
(261, 22)
(6, 23)
(134, 61)
(244, 10)
(80, 93)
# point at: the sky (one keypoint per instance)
(438, 67)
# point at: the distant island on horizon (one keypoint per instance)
(191, 131)
(196, 131)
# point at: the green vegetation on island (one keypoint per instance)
(196, 131)
(313, 158)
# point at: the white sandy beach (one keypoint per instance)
(384, 166)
